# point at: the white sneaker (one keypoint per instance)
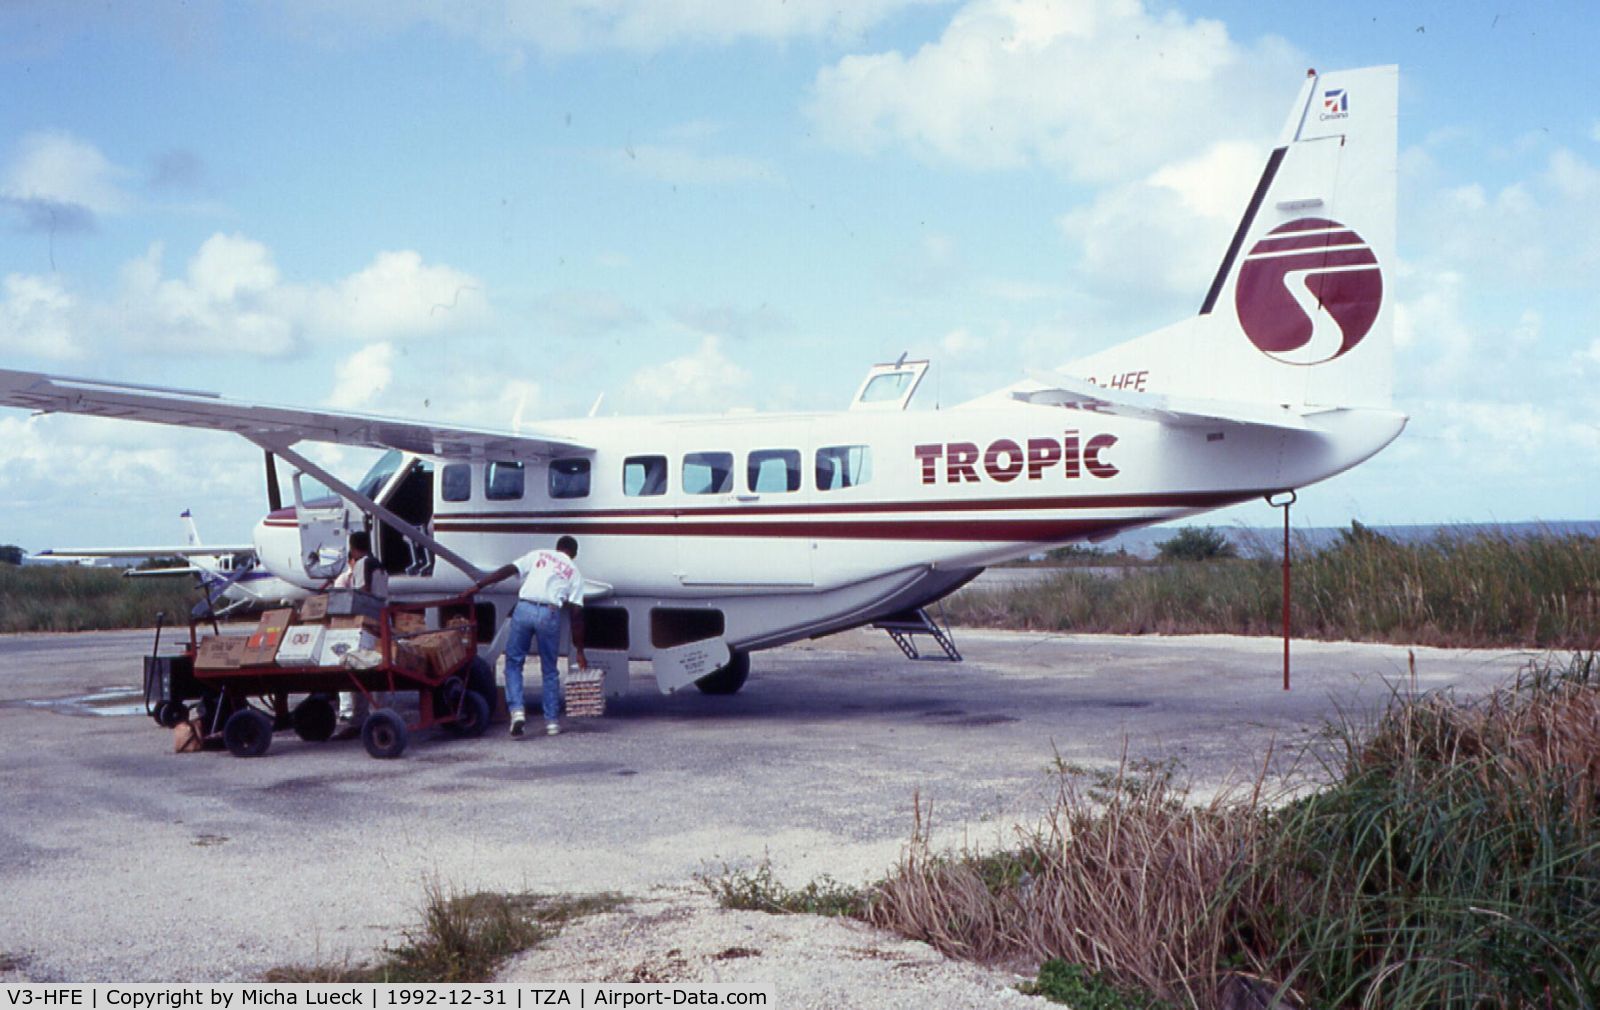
(552, 729)
(517, 722)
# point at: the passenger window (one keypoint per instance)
(708, 472)
(772, 471)
(644, 476)
(841, 466)
(455, 482)
(503, 482)
(569, 478)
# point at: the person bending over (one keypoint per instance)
(551, 586)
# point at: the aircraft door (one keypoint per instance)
(324, 528)
(411, 498)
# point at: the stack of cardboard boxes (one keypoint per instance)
(334, 625)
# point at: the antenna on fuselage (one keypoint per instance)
(595, 409)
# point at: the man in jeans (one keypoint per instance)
(551, 585)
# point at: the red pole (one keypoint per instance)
(1272, 500)
(1286, 594)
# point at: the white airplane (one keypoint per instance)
(228, 574)
(723, 535)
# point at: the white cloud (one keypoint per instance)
(399, 296)
(54, 167)
(232, 299)
(1099, 90)
(362, 377)
(37, 318)
(1168, 231)
(705, 381)
(1523, 233)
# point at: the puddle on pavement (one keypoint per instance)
(112, 701)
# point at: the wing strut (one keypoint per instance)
(350, 494)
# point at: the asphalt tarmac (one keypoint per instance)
(122, 861)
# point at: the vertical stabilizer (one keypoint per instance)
(190, 531)
(1299, 312)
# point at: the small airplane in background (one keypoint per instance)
(229, 575)
(726, 534)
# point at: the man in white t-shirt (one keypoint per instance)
(551, 586)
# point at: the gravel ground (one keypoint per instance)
(807, 962)
(121, 861)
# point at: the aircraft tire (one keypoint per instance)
(314, 719)
(473, 719)
(247, 733)
(727, 679)
(171, 713)
(384, 734)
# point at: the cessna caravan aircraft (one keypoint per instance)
(719, 536)
(228, 575)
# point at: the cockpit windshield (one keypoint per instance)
(380, 473)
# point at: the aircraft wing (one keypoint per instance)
(141, 573)
(269, 425)
(186, 551)
(1185, 412)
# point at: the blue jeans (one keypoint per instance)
(532, 622)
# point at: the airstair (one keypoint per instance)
(904, 626)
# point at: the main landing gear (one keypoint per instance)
(727, 679)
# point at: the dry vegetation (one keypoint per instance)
(1482, 590)
(1454, 860)
(73, 598)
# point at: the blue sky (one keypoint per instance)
(462, 211)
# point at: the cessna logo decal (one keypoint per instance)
(1006, 460)
(1309, 291)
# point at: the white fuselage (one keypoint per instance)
(931, 498)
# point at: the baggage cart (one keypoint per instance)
(243, 706)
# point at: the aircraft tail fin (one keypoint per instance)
(1298, 314)
(191, 531)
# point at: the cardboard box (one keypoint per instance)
(301, 645)
(220, 652)
(410, 622)
(336, 642)
(445, 650)
(189, 737)
(407, 658)
(314, 609)
(262, 647)
(343, 602)
(354, 621)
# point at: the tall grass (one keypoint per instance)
(1453, 861)
(74, 598)
(1482, 590)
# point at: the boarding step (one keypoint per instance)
(904, 626)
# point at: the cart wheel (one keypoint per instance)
(473, 718)
(314, 719)
(384, 734)
(480, 678)
(247, 733)
(171, 713)
(450, 692)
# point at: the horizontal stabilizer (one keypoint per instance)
(269, 425)
(1183, 412)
